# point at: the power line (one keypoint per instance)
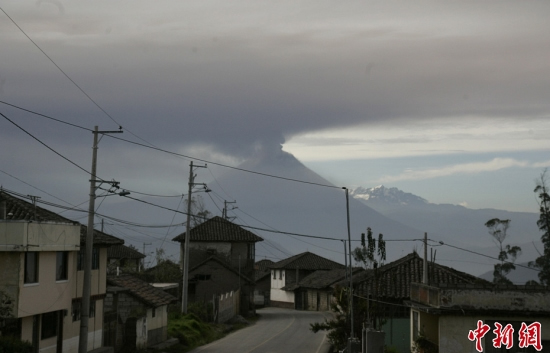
(69, 78)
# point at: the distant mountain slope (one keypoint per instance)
(518, 276)
(453, 222)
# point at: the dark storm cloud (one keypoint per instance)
(239, 80)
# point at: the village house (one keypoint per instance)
(463, 318)
(221, 259)
(388, 289)
(287, 274)
(136, 313)
(41, 276)
(124, 258)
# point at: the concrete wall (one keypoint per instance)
(99, 276)
(54, 295)
(221, 280)
(38, 236)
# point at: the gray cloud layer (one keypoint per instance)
(236, 75)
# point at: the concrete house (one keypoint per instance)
(389, 288)
(449, 317)
(286, 274)
(41, 257)
(136, 313)
(215, 242)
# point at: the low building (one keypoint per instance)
(263, 282)
(136, 313)
(459, 318)
(388, 289)
(286, 273)
(124, 258)
(233, 246)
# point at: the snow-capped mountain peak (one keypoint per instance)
(388, 195)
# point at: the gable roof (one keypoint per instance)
(18, 209)
(262, 269)
(123, 252)
(321, 279)
(307, 261)
(394, 279)
(218, 229)
(142, 291)
(223, 263)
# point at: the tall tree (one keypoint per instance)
(507, 255)
(199, 213)
(543, 261)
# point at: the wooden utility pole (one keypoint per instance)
(87, 281)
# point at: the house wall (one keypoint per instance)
(99, 277)
(453, 331)
(38, 236)
(157, 327)
(221, 280)
(71, 332)
(54, 295)
(278, 296)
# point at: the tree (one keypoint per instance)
(543, 261)
(507, 255)
(370, 255)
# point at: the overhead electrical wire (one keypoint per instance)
(68, 77)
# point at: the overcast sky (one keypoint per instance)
(444, 99)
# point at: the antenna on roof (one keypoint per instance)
(34, 198)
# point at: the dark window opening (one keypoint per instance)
(31, 267)
(95, 259)
(49, 325)
(61, 265)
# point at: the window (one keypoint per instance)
(31, 267)
(95, 259)
(280, 274)
(61, 265)
(153, 312)
(49, 325)
(92, 309)
(75, 310)
(415, 325)
(274, 275)
(251, 251)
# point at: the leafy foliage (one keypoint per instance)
(507, 255)
(338, 328)
(368, 254)
(11, 344)
(543, 261)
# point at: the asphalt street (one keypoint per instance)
(277, 330)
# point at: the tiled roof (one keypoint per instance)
(307, 261)
(321, 279)
(394, 279)
(262, 269)
(18, 209)
(142, 291)
(224, 264)
(123, 252)
(218, 229)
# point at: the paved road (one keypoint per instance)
(277, 330)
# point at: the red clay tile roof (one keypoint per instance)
(218, 229)
(22, 210)
(307, 261)
(395, 278)
(142, 291)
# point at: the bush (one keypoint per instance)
(11, 344)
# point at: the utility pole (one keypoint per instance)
(425, 269)
(87, 282)
(184, 292)
(34, 198)
(224, 213)
(350, 267)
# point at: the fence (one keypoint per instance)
(226, 306)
